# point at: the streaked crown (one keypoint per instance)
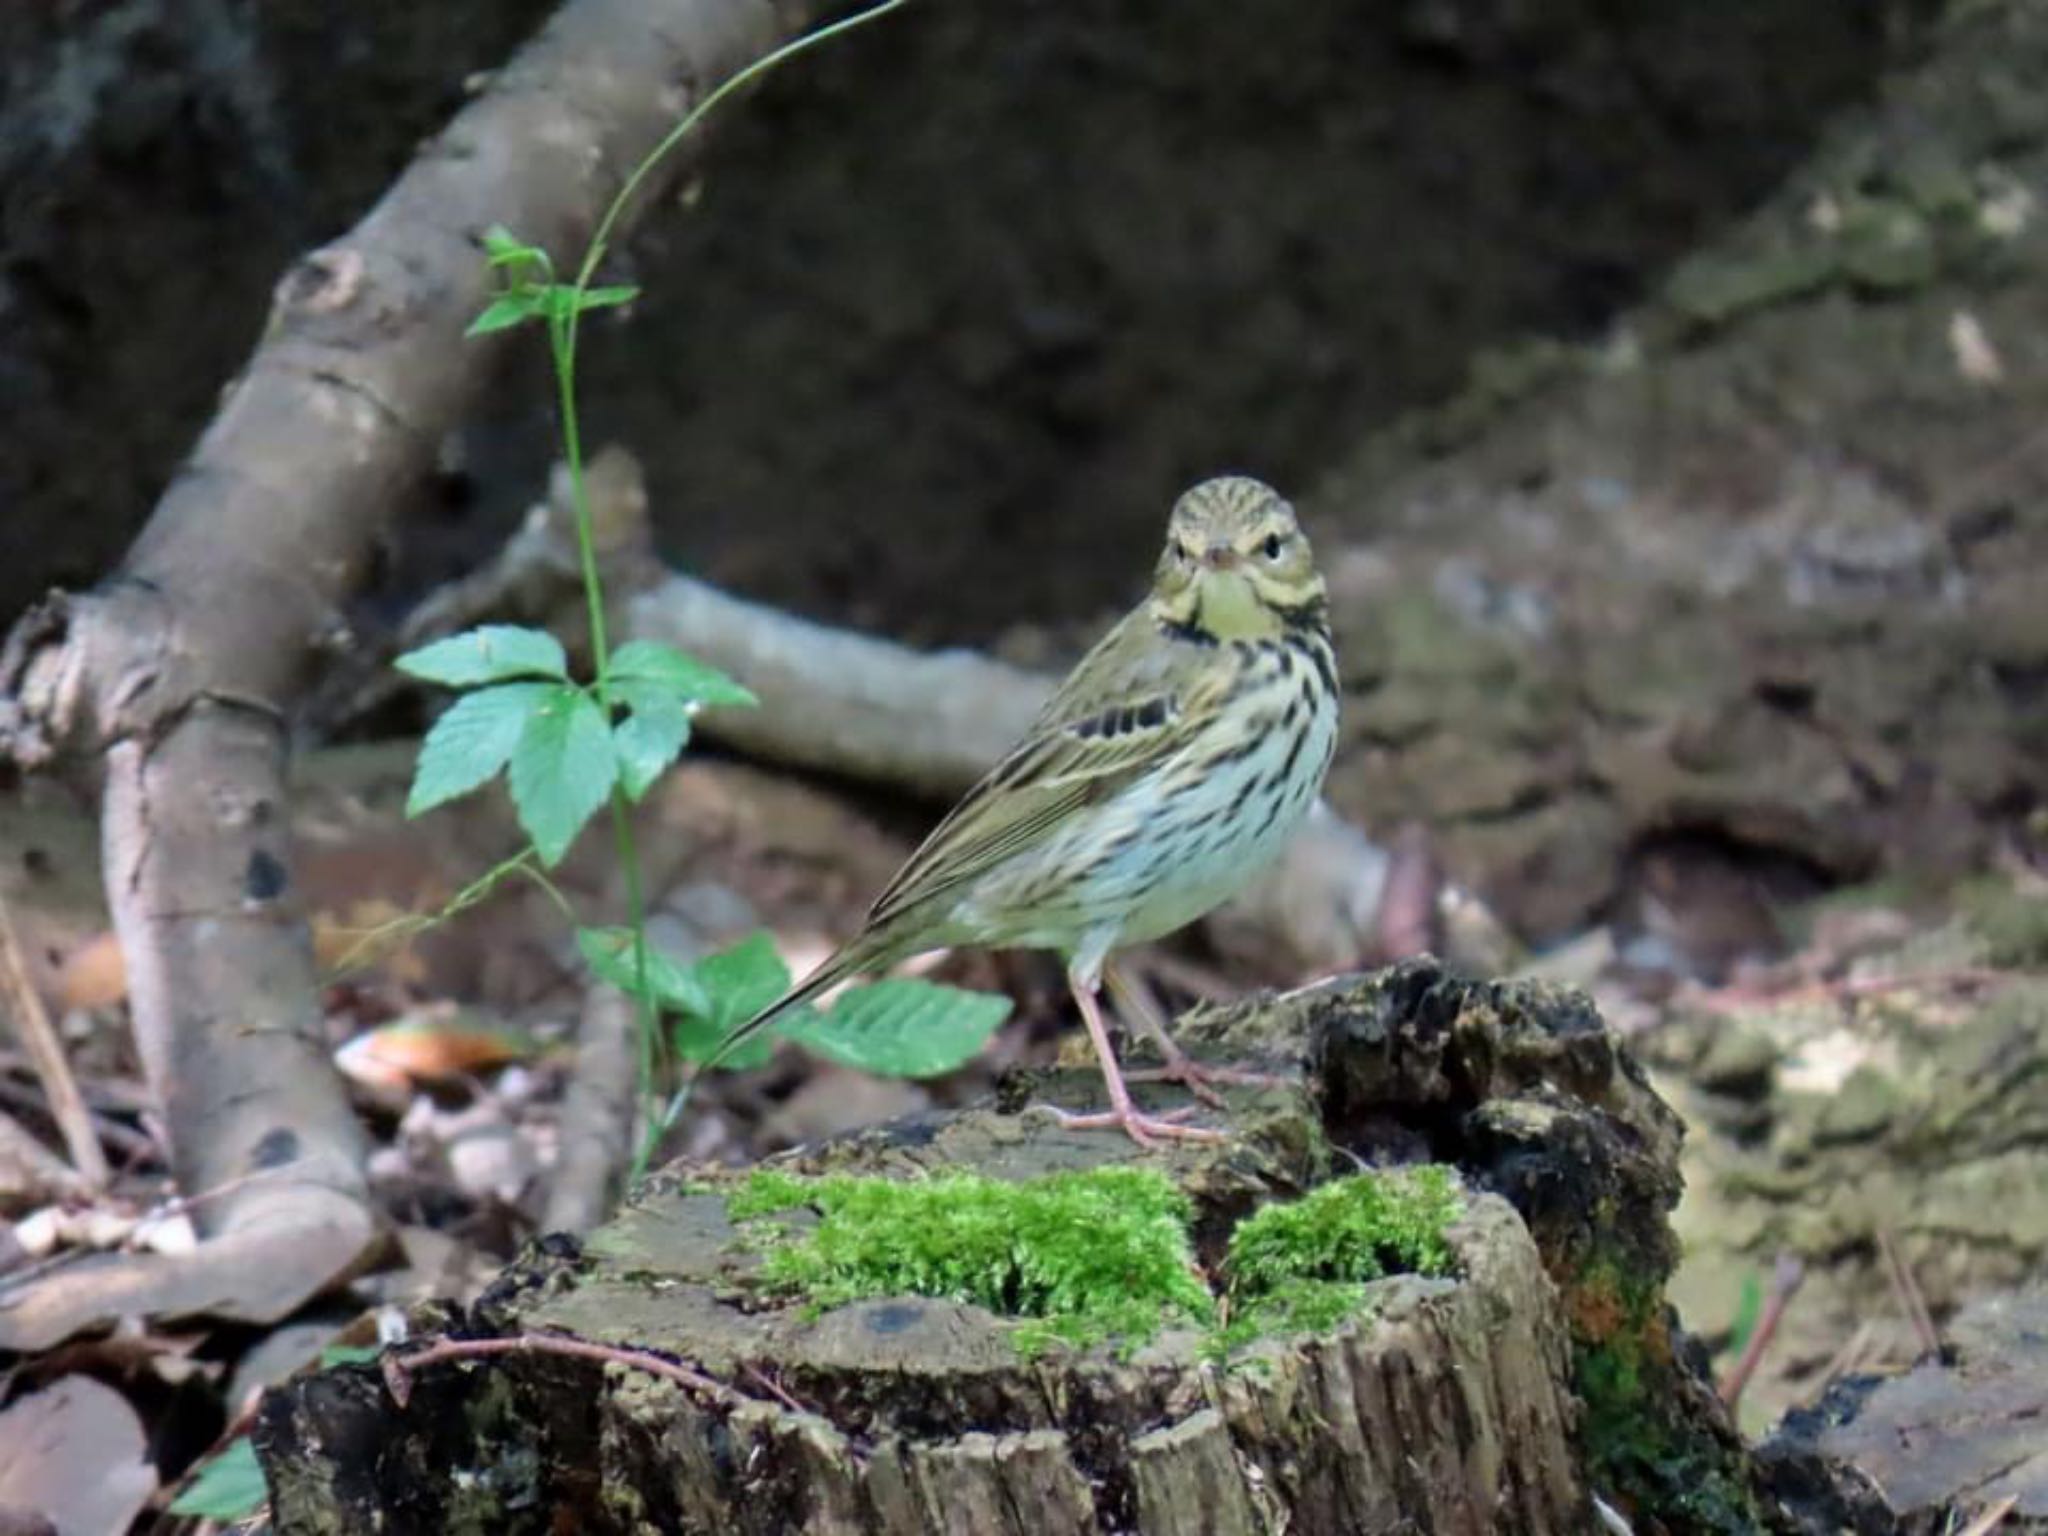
(1236, 563)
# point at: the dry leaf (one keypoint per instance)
(93, 975)
(429, 1045)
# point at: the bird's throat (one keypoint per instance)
(1229, 608)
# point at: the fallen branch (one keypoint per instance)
(176, 677)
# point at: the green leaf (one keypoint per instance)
(696, 1038)
(738, 983)
(650, 738)
(606, 298)
(609, 952)
(663, 667)
(515, 306)
(562, 769)
(489, 654)
(742, 980)
(903, 1027)
(471, 741)
(506, 249)
(229, 1487)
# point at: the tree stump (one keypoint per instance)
(1447, 1404)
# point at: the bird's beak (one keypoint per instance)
(1221, 557)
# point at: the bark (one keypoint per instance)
(1449, 1406)
(176, 677)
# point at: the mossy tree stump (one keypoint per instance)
(1443, 1404)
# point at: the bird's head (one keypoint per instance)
(1237, 565)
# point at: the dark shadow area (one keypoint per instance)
(964, 299)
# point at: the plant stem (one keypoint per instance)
(562, 332)
(646, 1020)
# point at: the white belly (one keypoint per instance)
(1150, 863)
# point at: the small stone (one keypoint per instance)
(1738, 1061)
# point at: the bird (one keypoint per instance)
(1171, 765)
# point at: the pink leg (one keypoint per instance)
(1139, 1006)
(1122, 1113)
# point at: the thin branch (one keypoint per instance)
(20, 1001)
(1786, 1279)
(399, 1370)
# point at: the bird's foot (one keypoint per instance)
(1201, 1080)
(1146, 1130)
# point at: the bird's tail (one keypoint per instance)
(874, 950)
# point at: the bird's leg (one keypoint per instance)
(1137, 1003)
(1122, 1114)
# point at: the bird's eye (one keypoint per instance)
(1180, 553)
(1271, 548)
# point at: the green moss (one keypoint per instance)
(1088, 1257)
(1301, 1267)
(1638, 1446)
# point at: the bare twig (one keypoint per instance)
(1907, 1289)
(32, 1026)
(1846, 1359)
(131, 1145)
(773, 1388)
(399, 1370)
(30, 1172)
(1786, 1278)
(1992, 1517)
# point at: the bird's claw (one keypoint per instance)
(1139, 1126)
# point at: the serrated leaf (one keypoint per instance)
(229, 1487)
(609, 953)
(562, 769)
(652, 664)
(738, 983)
(903, 1027)
(472, 740)
(491, 653)
(742, 980)
(514, 307)
(650, 738)
(696, 1038)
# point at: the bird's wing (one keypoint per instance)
(1129, 705)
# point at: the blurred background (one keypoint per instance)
(1664, 387)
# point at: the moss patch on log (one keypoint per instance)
(1301, 1265)
(1106, 1254)
(1639, 1446)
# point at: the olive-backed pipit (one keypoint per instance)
(1169, 767)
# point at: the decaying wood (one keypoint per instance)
(176, 677)
(1448, 1407)
(1938, 1443)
